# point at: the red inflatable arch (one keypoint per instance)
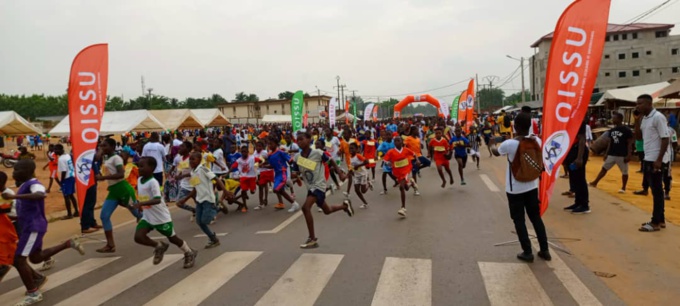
(417, 98)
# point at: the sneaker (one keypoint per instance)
(30, 298)
(463, 183)
(212, 243)
(349, 209)
(159, 251)
(190, 258)
(192, 218)
(622, 191)
(640, 192)
(76, 245)
(566, 193)
(370, 186)
(279, 206)
(319, 209)
(346, 194)
(402, 212)
(384, 192)
(414, 184)
(89, 230)
(244, 209)
(526, 257)
(416, 193)
(581, 210)
(332, 189)
(40, 281)
(259, 207)
(309, 244)
(545, 255)
(363, 206)
(213, 220)
(571, 207)
(294, 208)
(47, 264)
(4, 269)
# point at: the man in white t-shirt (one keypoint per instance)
(523, 195)
(66, 179)
(156, 150)
(219, 167)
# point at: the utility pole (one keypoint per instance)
(491, 79)
(143, 87)
(521, 65)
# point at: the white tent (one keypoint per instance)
(349, 116)
(174, 119)
(276, 118)
(504, 108)
(117, 123)
(630, 94)
(13, 124)
(210, 117)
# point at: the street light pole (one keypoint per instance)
(521, 67)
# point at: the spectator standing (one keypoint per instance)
(156, 150)
(575, 162)
(618, 152)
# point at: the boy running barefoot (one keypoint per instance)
(156, 216)
(206, 208)
(359, 173)
(309, 165)
(31, 216)
(439, 148)
(459, 144)
(278, 161)
(401, 158)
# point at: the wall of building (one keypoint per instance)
(248, 112)
(629, 59)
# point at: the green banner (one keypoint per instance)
(296, 108)
(454, 109)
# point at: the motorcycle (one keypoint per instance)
(9, 160)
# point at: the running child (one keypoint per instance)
(247, 175)
(386, 146)
(439, 149)
(370, 149)
(332, 144)
(475, 142)
(31, 217)
(183, 172)
(206, 208)
(66, 180)
(52, 164)
(156, 216)
(459, 144)
(359, 173)
(265, 176)
(308, 165)
(401, 158)
(278, 161)
(8, 231)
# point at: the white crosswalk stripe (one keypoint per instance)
(211, 277)
(303, 282)
(120, 282)
(510, 284)
(400, 273)
(59, 278)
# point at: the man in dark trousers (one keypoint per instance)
(228, 140)
(575, 163)
(618, 152)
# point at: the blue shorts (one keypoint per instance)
(68, 186)
(280, 181)
(319, 195)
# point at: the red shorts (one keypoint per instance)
(248, 183)
(53, 172)
(8, 241)
(266, 177)
(440, 160)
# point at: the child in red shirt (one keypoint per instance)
(401, 158)
(439, 148)
(370, 148)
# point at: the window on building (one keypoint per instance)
(622, 74)
(636, 73)
(606, 56)
(634, 35)
(616, 37)
(234, 110)
(596, 90)
(660, 34)
(607, 74)
(624, 36)
(635, 55)
(622, 56)
(675, 69)
(649, 52)
(606, 38)
(674, 51)
(267, 107)
(274, 112)
(649, 70)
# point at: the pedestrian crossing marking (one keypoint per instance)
(303, 282)
(114, 285)
(13, 272)
(59, 278)
(510, 284)
(571, 282)
(404, 281)
(212, 276)
(283, 224)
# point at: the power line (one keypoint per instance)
(422, 91)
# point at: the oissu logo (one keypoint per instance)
(83, 166)
(462, 106)
(469, 102)
(554, 149)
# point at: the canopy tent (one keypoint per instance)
(349, 116)
(117, 123)
(276, 118)
(672, 91)
(504, 108)
(12, 123)
(210, 117)
(174, 119)
(628, 96)
(535, 105)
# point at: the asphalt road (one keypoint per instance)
(443, 253)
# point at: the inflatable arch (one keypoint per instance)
(417, 98)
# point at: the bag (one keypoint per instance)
(527, 165)
(506, 121)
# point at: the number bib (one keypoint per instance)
(329, 144)
(370, 143)
(371, 161)
(306, 163)
(439, 149)
(401, 163)
(194, 181)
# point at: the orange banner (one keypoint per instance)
(470, 107)
(347, 112)
(575, 54)
(86, 102)
(462, 107)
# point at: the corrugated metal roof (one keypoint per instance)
(613, 28)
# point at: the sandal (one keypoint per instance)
(649, 227)
(107, 249)
(661, 224)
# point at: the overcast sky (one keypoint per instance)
(197, 48)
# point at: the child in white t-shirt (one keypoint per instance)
(156, 216)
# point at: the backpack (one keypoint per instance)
(506, 121)
(527, 165)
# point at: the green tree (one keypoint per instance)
(491, 98)
(515, 98)
(286, 95)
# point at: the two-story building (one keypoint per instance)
(316, 108)
(634, 54)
